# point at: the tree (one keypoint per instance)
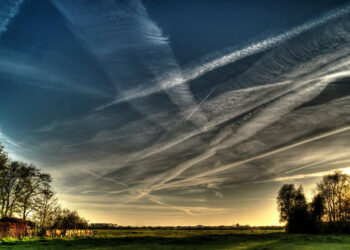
(317, 207)
(288, 199)
(25, 191)
(334, 190)
(46, 209)
(292, 207)
(3, 157)
(35, 183)
(11, 187)
(70, 220)
(20, 183)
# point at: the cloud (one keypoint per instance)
(231, 55)
(304, 90)
(306, 176)
(8, 10)
(26, 69)
(218, 194)
(136, 49)
(281, 119)
(9, 140)
(278, 85)
(212, 186)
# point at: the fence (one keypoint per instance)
(68, 232)
(13, 230)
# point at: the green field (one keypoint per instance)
(185, 239)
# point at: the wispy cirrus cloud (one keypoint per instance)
(231, 55)
(8, 10)
(136, 50)
(175, 140)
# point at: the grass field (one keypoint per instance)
(185, 239)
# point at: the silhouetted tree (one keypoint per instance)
(3, 157)
(317, 207)
(292, 206)
(11, 187)
(26, 191)
(35, 184)
(329, 211)
(288, 199)
(334, 190)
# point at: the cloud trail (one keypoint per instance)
(185, 137)
(313, 164)
(231, 55)
(130, 48)
(189, 210)
(8, 10)
(303, 92)
(303, 84)
(250, 129)
(102, 177)
(273, 152)
(197, 107)
(267, 117)
(304, 176)
(36, 76)
(9, 140)
(268, 43)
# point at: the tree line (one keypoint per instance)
(27, 193)
(328, 212)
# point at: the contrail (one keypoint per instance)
(267, 117)
(273, 152)
(102, 177)
(130, 48)
(220, 59)
(312, 164)
(255, 48)
(24, 70)
(195, 109)
(8, 10)
(303, 176)
(9, 140)
(312, 70)
(238, 163)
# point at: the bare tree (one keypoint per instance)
(11, 187)
(26, 191)
(46, 209)
(35, 183)
(3, 157)
(334, 190)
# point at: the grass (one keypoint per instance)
(184, 239)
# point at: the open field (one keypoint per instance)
(185, 239)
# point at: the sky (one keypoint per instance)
(176, 112)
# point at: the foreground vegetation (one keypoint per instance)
(185, 239)
(328, 212)
(27, 193)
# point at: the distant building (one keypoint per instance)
(14, 227)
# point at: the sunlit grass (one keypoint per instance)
(177, 233)
(184, 239)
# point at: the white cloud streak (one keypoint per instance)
(8, 10)
(24, 69)
(228, 56)
(128, 45)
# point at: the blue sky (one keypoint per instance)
(189, 111)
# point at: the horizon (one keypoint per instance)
(176, 113)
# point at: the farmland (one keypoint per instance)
(185, 239)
